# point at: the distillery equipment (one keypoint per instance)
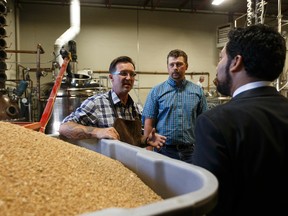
(75, 88)
(9, 109)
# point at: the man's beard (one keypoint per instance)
(224, 87)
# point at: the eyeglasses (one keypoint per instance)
(124, 73)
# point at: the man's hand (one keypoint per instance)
(156, 140)
(105, 133)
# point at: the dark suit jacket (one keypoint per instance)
(244, 143)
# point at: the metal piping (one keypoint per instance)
(70, 33)
(127, 7)
(279, 17)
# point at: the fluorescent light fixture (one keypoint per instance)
(217, 2)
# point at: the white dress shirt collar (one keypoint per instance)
(251, 85)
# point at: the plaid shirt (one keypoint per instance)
(97, 111)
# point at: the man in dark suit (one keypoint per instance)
(244, 142)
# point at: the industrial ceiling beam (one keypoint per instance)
(146, 3)
(183, 4)
(108, 3)
(157, 3)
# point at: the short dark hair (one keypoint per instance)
(262, 48)
(177, 53)
(122, 59)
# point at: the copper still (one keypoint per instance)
(8, 104)
(9, 108)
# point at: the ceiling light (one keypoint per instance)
(217, 2)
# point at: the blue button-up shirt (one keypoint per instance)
(175, 109)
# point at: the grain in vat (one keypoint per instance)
(186, 189)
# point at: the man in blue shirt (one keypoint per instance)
(172, 108)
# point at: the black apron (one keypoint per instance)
(130, 131)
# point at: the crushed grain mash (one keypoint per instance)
(42, 175)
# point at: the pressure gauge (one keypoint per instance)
(24, 100)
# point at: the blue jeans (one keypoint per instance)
(183, 154)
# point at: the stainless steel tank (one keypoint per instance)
(69, 97)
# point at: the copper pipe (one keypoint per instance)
(25, 51)
(165, 73)
(158, 73)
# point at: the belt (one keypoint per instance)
(180, 146)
